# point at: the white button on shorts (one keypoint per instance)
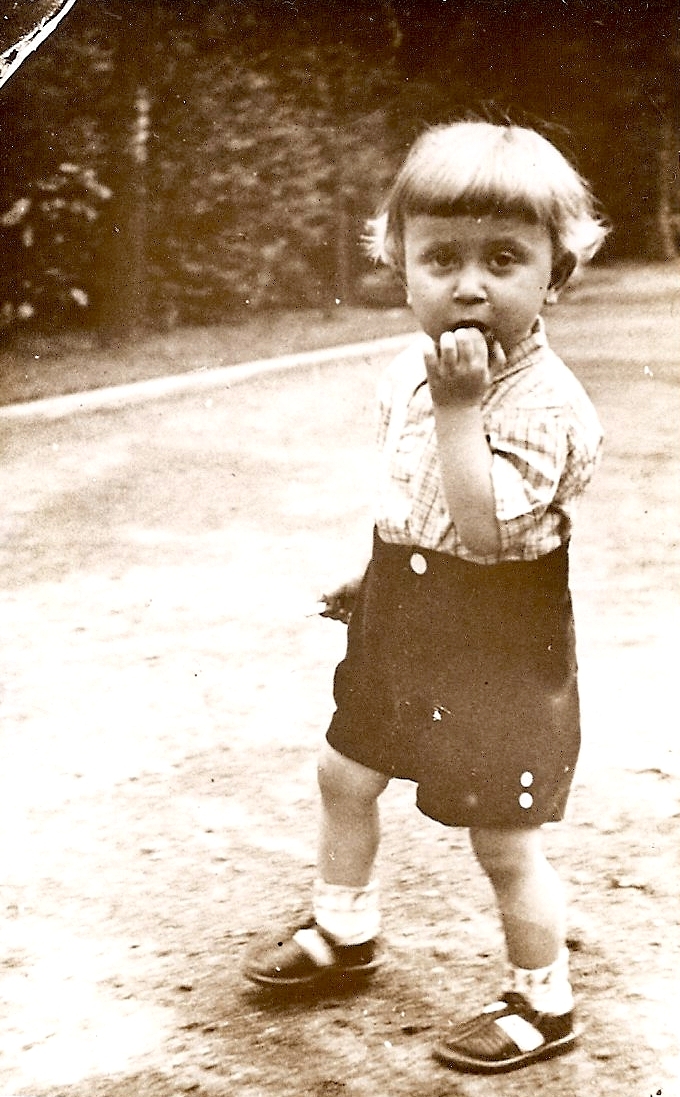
(418, 563)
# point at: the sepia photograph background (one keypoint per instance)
(191, 336)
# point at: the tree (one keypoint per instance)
(178, 162)
(123, 281)
(51, 193)
(600, 76)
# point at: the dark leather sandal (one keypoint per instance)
(506, 1036)
(287, 963)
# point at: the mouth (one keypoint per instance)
(478, 326)
(471, 324)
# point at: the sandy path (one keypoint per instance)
(162, 699)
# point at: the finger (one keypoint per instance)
(430, 354)
(471, 346)
(448, 348)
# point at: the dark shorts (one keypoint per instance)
(462, 678)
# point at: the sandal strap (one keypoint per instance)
(310, 956)
(507, 1028)
(523, 1034)
(319, 947)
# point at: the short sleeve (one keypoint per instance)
(397, 383)
(529, 458)
(541, 465)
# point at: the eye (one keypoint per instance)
(504, 259)
(442, 258)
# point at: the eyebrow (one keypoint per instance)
(510, 243)
(505, 240)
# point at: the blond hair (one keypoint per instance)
(481, 168)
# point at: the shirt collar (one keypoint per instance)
(521, 353)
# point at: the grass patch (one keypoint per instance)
(40, 365)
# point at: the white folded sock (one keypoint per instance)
(547, 989)
(350, 915)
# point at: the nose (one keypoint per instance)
(468, 286)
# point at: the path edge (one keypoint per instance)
(57, 407)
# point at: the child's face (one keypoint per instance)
(490, 272)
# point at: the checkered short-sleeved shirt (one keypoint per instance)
(544, 436)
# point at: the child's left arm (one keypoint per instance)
(458, 377)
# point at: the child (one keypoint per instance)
(460, 672)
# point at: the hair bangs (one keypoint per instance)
(484, 174)
(480, 169)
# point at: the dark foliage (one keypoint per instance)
(183, 161)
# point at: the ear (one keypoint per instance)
(561, 273)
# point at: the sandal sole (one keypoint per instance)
(321, 978)
(467, 1064)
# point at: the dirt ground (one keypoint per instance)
(164, 697)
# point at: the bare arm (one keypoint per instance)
(458, 377)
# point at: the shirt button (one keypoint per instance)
(418, 563)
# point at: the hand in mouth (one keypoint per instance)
(495, 351)
(489, 337)
(473, 324)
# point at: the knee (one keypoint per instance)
(506, 855)
(341, 779)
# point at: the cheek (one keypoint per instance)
(543, 275)
(530, 292)
(421, 291)
(542, 281)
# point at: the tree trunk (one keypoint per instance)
(124, 284)
(668, 218)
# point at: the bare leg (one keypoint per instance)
(534, 1018)
(350, 824)
(345, 901)
(528, 892)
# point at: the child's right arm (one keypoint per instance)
(458, 376)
